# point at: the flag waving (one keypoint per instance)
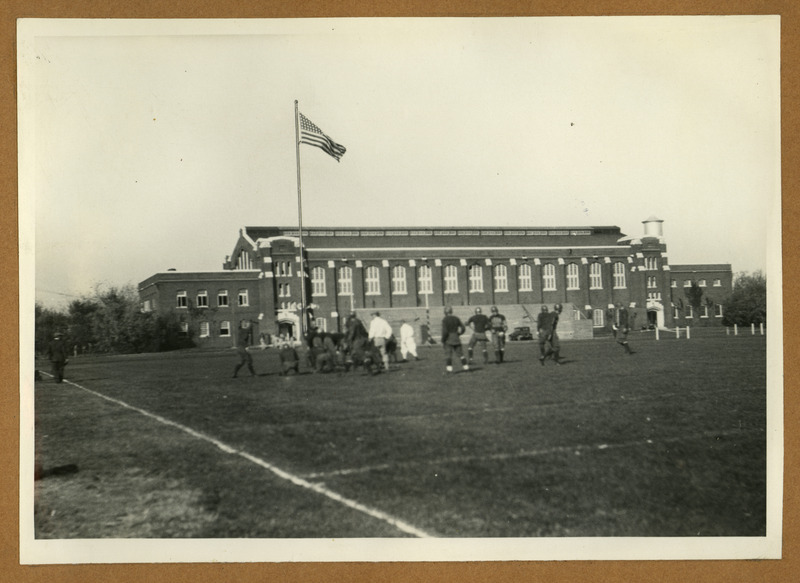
(311, 134)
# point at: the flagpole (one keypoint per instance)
(300, 224)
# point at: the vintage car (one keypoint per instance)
(521, 333)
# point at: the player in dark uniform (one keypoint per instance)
(498, 327)
(480, 325)
(621, 326)
(244, 338)
(452, 329)
(546, 328)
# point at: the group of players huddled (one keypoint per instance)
(376, 348)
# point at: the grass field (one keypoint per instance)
(667, 442)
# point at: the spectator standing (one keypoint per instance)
(57, 352)
(407, 343)
(480, 324)
(452, 329)
(379, 332)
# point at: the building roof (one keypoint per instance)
(423, 237)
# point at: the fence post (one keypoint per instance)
(761, 328)
(736, 329)
(656, 332)
(688, 333)
(677, 331)
(753, 329)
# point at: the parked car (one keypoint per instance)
(521, 333)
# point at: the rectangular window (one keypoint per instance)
(183, 302)
(654, 296)
(573, 281)
(372, 281)
(673, 283)
(619, 275)
(501, 278)
(675, 313)
(525, 278)
(345, 281)
(244, 297)
(650, 263)
(689, 312)
(202, 299)
(318, 281)
(549, 277)
(687, 283)
(399, 280)
(717, 283)
(284, 290)
(451, 279)
(222, 298)
(147, 306)
(652, 282)
(184, 328)
(224, 328)
(476, 279)
(322, 324)
(596, 276)
(702, 283)
(704, 312)
(598, 318)
(425, 280)
(204, 330)
(717, 310)
(285, 268)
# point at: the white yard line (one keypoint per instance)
(296, 480)
(577, 449)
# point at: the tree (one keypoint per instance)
(748, 301)
(694, 295)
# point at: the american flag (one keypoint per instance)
(313, 136)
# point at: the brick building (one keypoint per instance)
(410, 273)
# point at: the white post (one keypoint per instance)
(727, 331)
(736, 329)
(761, 328)
(753, 329)
(688, 333)
(656, 332)
(677, 332)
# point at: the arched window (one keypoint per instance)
(399, 280)
(450, 279)
(548, 277)
(573, 281)
(345, 281)
(619, 276)
(525, 278)
(425, 280)
(501, 278)
(596, 276)
(318, 281)
(372, 279)
(476, 278)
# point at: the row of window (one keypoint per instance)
(598, 314)
(372, 279)
(700, 283)
(201, 301)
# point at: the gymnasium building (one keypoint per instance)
(411, 273)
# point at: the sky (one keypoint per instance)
(147, 145)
